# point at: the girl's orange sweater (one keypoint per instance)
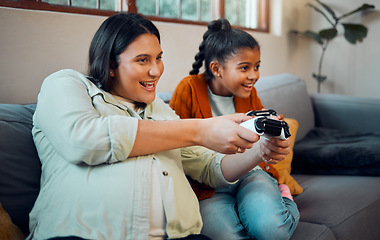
(190, 100)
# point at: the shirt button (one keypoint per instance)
(267, 167)
(165, 173)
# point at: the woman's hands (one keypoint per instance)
(224, 135)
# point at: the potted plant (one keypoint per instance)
(352, 32)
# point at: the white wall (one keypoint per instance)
(34, 44)
(352, 70)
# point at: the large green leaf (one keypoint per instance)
(329, 33)
(361, 8)
(328, 9)
(354, 32)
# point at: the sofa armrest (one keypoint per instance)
(346, 112)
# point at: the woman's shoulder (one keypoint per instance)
(66, 73)
(67, 78)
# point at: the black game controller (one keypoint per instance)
(261, 113)
(265, 126)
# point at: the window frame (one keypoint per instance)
(263, 18)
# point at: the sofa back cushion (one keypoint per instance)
(287, 94)
(20, 169)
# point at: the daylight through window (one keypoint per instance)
(250, 14)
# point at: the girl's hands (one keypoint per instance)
(274, 150)
(271, 151)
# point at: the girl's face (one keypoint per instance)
(139, 70)
(238, 74)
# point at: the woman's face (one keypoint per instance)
(140, 68)
(238, 74)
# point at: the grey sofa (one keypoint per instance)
(336, 159)
(341, 198)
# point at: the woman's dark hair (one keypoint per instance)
(220, 41)
(110, 40)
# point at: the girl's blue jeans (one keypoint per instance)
(252, 208)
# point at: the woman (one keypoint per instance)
(114, 157)
(255, 206)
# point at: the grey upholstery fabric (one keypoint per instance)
(346, 112)
(312, 231)
(338, 152)
(348, 205)
(287, 94)
(20, 169)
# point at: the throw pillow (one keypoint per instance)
(284, 167)
(338, 152)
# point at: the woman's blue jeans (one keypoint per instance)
(250, 209)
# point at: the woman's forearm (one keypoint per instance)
(221, 134)
(158, 136)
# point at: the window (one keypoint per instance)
(247, 14)
(192, 10)
(96, 4)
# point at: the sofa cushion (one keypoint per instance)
(331, 111)
(332, 151)
(311, 231)
(20, 166)
(348, 205)
(284, 167)
(287, 94)
(165, 96)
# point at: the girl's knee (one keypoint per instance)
(274, 227)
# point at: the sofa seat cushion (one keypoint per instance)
(331, 151)
(20, 169)
(348, 205)
(312, 231)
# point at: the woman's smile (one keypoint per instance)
(149, 86)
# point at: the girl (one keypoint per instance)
(114, 157)
(253, 207)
